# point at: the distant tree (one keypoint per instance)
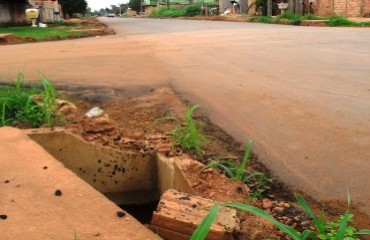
(135, 5)
(102, 12)
(71, 7)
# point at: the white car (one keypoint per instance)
(111, 15)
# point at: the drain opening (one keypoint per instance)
(136, 190)
(143, 213)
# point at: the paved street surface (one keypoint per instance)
(301, 93)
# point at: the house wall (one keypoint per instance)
(12, 12)
(347, 8)
(323, 7)
(366, 10)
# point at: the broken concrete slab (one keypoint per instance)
(42, 199)
(178, 215)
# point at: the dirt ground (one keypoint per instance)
(143, 122)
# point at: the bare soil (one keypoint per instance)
(143, 121)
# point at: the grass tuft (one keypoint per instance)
(32, 106)
(190, 134)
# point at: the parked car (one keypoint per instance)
(111, 15)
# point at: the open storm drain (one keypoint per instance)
(141, 184)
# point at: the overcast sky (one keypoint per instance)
(98, 4)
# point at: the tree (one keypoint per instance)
(71, 7)
(135, 5)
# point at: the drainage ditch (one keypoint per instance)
(134, 181)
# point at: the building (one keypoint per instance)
(12, 12)
(346, 8)
(149, 4)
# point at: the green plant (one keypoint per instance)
(230, 168)
(261, 19)
(193, 10)
(189, 135)
(202, 230)
(18, 105)
(170, 12)
(293, 18)
(208, 220)
(49, 101)
(257, 181)
(338, 230)
(340, 21)
(332, 230)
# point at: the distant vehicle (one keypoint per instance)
(111, 15)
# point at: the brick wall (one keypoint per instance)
(348, 8)
(366, 11)
(324, 7)
(354, 8)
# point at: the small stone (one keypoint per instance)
(45, 167)
(266, 203)
(58, 193)
(278, 209)
(6, 181)
(97, 234)
(121, 214)
(3, 216)
(305, 223)
(286, 205)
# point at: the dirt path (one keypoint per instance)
(299, 93)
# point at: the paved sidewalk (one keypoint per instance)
(30, 208)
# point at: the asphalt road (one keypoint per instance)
(301, 93)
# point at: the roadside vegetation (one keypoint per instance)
(76, 28)
(28, 106)
(172, 12)
(286, 18)
(294, 19)
(325, 229)
(258, 182)
(190, 135)
(58, 31)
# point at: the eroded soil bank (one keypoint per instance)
(142, 121)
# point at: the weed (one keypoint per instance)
(294, 19)
(42, 34)
(202, 230)
(170, 12)
(338, 230)
(261, 19)
(18, 106)
(49, 98)
(189, 135)
(193, 10)
(257, 181)
(332, 230)
(340, 21)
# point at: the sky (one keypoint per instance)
(98, 4)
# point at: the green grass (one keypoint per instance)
(40, 34)
(173, 12)
(257, 181)
(291, 17)
(294, 19)
(261, 19)
(190, 134)
(18, 106)
(338, 230)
